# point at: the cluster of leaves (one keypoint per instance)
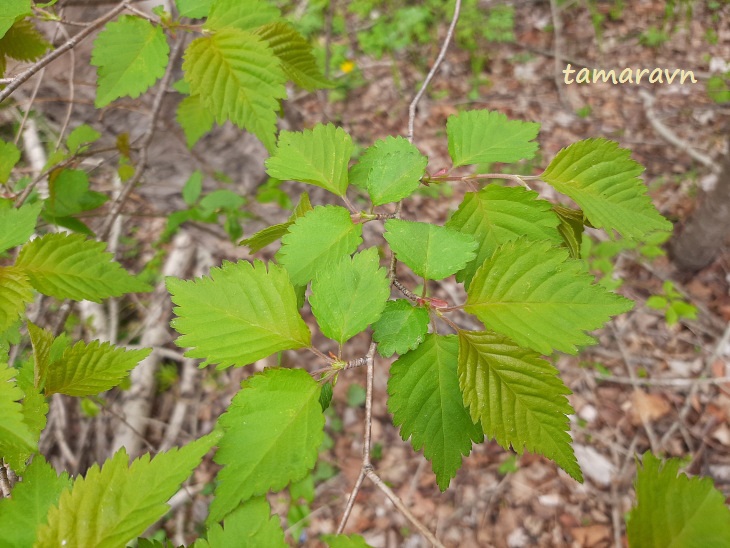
(515, 253)
(518, 257)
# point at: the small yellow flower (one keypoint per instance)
(347, 67)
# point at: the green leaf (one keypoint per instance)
(483, 136)
(9, 156)
(270, 234)
(533, 293)
(390, 170)
(570, 228)
(317, 156)
(194, 9)
(131, 54)
(433, 252)
(69, 266)
(675, 510)
(69, 194)
(225, 14)
(80, 136)
(251, 524)
(10, 11)
(603, 180)
(17, 225)
(239, 314)
(16, 292)
(401, 327)
(496, 215)
(238, 78)
(22, 514)
(360, 172)
(321, 237)
(350, 295)
(87, 370)
(221, 200)
(194, 118)
(345, 541)
(272, 433)
(426, 402)
(193, 187)
(35, 405)
(16, 437)
(23, 42)
(325, 396)
(518, 397)
(42, 342)
(266, 236)
(111, 506)
(295, 54)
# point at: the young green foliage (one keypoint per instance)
(603, 180)
(295, 55)
(483, 136)
(272, 233)
(69, 266)
(16, 293)
(251, 524)
(17, 225)
(11, 11)
(350, 295)
(496, 215)
(431, 251)
(23, 513)
(316, 240)
(16, 437)
(112, 505)
(390, 170)
(194, 118)
(675, 510)
(272, 433)
(87, 370)
(317, 156)
(23, 42)
(401, 327)
(535, 294)
(426, 402)
(240, 15)
(518, 397)
(131, 55)
(9, 156)
(572, 222)
(238, 78)
(237, 315)
(195, 9)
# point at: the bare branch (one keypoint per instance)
(671, 137)
(58, 52)
(402, 508)
(432, 72)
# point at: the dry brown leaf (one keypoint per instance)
(647, 407)
(592, 535)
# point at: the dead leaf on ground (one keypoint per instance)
(647, 407)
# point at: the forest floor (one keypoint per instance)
(645, 386)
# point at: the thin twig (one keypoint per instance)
(668, 383)
(144, 143)
(558, 50)
(21, 78)
(671, 137)
(366, 464)
(398, 503)
(432, 72)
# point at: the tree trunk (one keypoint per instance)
(708, 228)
